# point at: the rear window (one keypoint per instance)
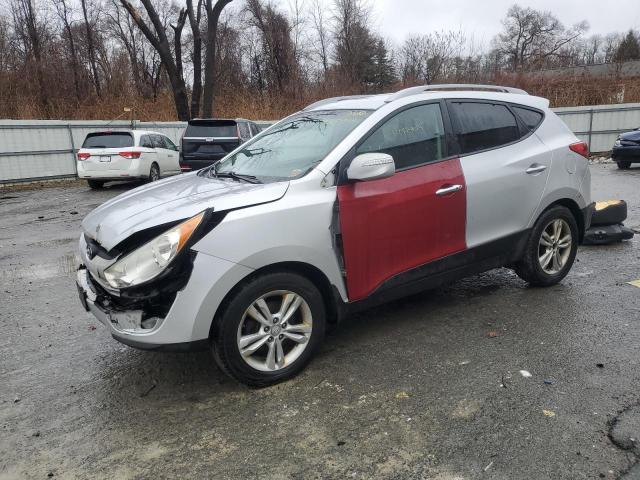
(531, 118)
(108, 140)
(480, 126)
(217, 129)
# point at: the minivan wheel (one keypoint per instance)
(551, 248)
(154, 173)
(95, 184)
(269, 329)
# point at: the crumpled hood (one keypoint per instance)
(172, 199)
(631, 136)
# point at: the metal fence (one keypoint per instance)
(600, 125)
(46, 149)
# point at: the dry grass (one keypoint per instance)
(561, 91)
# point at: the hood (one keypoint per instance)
(631, 136)
(170, 200)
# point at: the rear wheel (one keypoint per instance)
(623, 165)
(551, 248)
(270, 329)
(154, 172)
(95, 184)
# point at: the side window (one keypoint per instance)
(243, 128)
(158, 142)
(480, 126)
(169, 145)
(145, 141)
(412, 137)
(531, 118)
(254, 129)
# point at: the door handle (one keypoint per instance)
(535, 168)
(450, 189)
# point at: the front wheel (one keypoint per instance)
(622, 165)
(270, 329)
(551, 248)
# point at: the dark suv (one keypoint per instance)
(207, 140)
(626, 150)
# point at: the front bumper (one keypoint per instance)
(626, 152)
(186, 325)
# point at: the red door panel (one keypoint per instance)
(395, 224)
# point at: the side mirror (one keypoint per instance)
(371, 166)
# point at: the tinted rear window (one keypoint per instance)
(211, 130)
(108, 140)
(480, 126)
(531, 118)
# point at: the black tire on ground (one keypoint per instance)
(623, 165)
(529, 267)
(95, 184)
(154, 172)
(224, 338)
(610, 212)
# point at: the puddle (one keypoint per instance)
(64, 266)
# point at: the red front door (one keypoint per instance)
(394, 224)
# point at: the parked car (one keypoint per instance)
(207, 140)
(626, 150)
(126, 155)
(348, 203)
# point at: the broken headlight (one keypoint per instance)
(149, 260)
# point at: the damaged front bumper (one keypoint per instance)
(134, 326)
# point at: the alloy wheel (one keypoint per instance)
(274, 331)
(554, 248)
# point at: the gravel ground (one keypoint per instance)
(426, 387)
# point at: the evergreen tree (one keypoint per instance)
(629, 48)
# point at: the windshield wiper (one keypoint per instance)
(237, 176)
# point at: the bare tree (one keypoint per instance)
(159, 40)
(431, 57)
(91, 49)
(213, 15)
(530, 36)
(64, 12)
(195, 16)
(322, 34)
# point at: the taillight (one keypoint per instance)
(184, 168)
(581, 148)
(83, 155)
(130, 154)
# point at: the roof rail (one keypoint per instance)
(326, 101)
(453, 86)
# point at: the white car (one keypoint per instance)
(348, 203)
(126, 155)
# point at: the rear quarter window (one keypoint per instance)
(531, 118)
(108, 140)
(481, 126)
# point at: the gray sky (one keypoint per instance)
(481, 19)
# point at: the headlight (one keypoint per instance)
(153, 257)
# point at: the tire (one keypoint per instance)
(610, 212)
(95, 184)
(255, 368)
(531, 267)
(154, 172)
(623, 165)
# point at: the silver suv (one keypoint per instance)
(350, 202)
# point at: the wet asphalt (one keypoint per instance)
(425, 387)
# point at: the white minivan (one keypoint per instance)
(126, 155)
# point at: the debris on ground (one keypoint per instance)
(147, 391)
(402, 394)
(549, 413)
(487, 467)
(635, 283)
(492, 334)
(525, 374)
(548, 381)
